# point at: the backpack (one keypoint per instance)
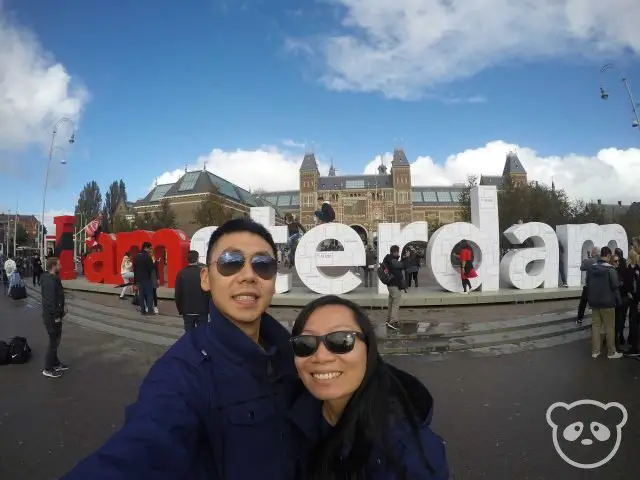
(384, 274)
(331, 213)
(19, 351)
(4, 353)
(18, 292)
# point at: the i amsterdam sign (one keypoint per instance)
(482, 233)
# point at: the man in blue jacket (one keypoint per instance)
(215, 405)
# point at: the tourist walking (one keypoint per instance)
(413, 266)
(126, 271)
(192, 302)
(627, 288)
(467, 271)
(592, 257)
(216, 405)
(37, 270)
(295, 230)
(396, 286)
(371, 259)
(143, 269)
(53, 311)
(603, 295)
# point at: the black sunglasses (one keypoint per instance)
(230, 263)
(340, 342)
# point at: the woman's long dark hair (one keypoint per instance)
(365, 422)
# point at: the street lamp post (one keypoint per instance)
(52, 149)
(604, 95)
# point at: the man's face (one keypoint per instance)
(244, 295)
(56, 268)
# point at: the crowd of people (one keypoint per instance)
(612, 290)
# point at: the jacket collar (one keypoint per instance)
(275, 360)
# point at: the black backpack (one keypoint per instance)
(4, 353)
(18, 292)
(384, 274)
(19, 351)
(331, 213)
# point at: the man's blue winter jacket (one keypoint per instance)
(214, 406)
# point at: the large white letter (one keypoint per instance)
(543, 257)
(200, 242)
(615, 236)
(483, 235)
(578, 239)
(390, 234)
(308, 259)
(267, 217)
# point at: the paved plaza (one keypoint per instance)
(490, 410)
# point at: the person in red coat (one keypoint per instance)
(466, 266)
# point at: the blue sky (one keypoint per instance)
(243, 86)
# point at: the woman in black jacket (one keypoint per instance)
(626, 276)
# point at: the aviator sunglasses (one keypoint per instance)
(336, 342)
(230, 263)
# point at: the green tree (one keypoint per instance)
(144, 221)
(165, 217)
(116, 195)
(587, 212)
(211, 211)
(465, 197)
(22, 236)
(433, 227)
(89, 203)
(122, 224)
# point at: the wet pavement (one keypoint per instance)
(490, 410)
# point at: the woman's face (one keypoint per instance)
(330, 376)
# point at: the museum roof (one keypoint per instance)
(202, 182)
(513, 165)
(491, 180)
(436, 196)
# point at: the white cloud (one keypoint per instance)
(402, 47)
(265, 168)
(608, 174)
(35, 91)
(293, 144)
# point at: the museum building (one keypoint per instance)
(361, 201)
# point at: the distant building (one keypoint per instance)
(190, 190)
(361, 201)
(29, 222)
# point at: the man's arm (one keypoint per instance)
(178, 292)
(159, 439)
(48, 292)
(59, 297)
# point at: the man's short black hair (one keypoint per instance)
(193, 256)
(394, 248)
(146, 245)
(605, 252)
(239, 225)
